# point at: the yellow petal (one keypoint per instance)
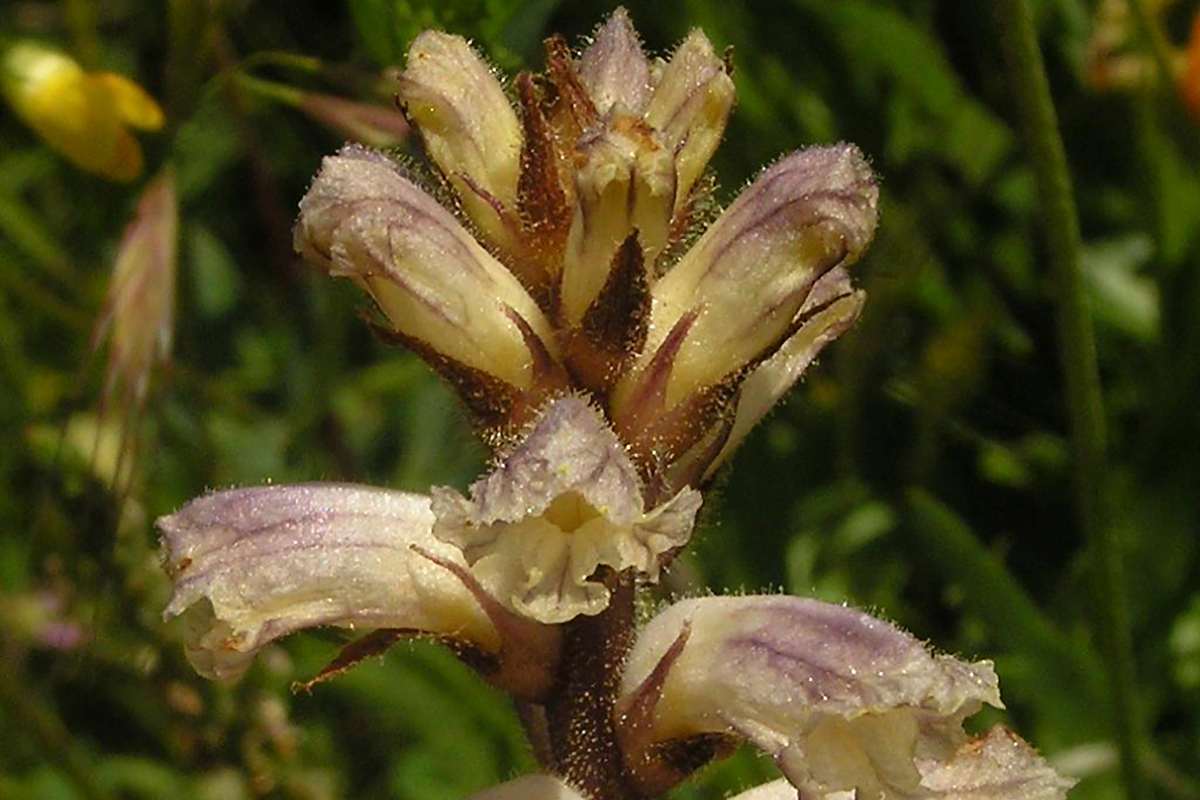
(132, 103)
(123, 160)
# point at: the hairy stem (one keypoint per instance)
(580, 716)
(1077, 352)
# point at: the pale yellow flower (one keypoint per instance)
(85, 116)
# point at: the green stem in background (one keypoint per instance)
(270, 90)
(1077, 351)
(37, 719)
(1155, 40)
(81, 17)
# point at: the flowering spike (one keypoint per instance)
(469, 128)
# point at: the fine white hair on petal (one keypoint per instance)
(997, 766)
(842, 700)
(363, 219)
(469, 127)
(530, 787)
(690, 106)
(252, 565)
(613, 67)
(747, 280)
(566, 501)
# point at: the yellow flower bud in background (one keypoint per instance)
(85, 116)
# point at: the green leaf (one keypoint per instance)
(886, 48)
(216, 283)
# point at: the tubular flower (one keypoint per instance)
(564, 503)
(83, 115)
(843, 701)
(612, 373)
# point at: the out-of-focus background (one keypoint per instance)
(923, 469)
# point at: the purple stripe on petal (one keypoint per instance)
(756, 267)
(363, 219)
(803, 679)
(262, 562)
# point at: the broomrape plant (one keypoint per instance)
(612, 368)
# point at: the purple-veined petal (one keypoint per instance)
(746, 279)
(255, 564)
(530, 787)
(614, 69)
(565, 501)
(470, 129)
(363, 219)
(691, 103)
(834, 306)
(842, 700)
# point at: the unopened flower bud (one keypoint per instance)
(366, 123)
(690, 106)
(441, 292)
(832, 307)
(736, 296)
(624, 183)
(613, 68)
(469, 128)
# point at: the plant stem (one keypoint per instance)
(1077, 352)
(580, 717)
(1155, 41)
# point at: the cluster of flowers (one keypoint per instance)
(613, 368)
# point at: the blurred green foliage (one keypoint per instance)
(922, 471)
